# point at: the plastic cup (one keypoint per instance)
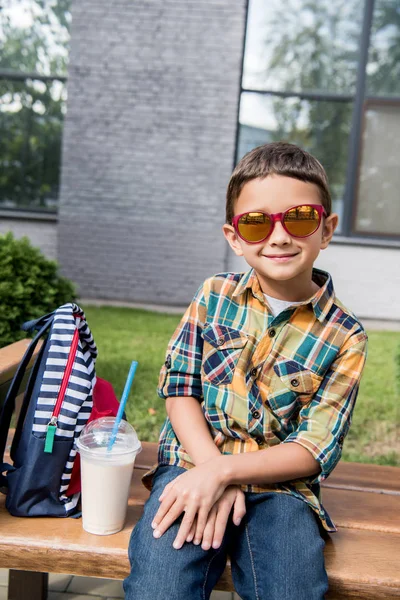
(106, 475)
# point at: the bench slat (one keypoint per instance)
(363, 510)
(11, 356)
(365, 477)
(354, 558)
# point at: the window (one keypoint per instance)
(34, 39)
(378, 197)
(325, 75)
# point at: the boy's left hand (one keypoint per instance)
(194, 493)
(231, 503)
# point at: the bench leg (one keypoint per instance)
(27, 584)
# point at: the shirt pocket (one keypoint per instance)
(292, 387)
(223, 346)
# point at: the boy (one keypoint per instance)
(260, 381)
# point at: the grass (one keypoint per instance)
(375, 432)
(124, 334)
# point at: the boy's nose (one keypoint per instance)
(279, 235)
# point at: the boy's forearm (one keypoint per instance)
(278, 463)
(272, 465)
(191, 428)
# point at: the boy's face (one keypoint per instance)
(281, 261)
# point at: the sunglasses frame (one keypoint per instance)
(274, 217)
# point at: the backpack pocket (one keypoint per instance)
(34, 485)
(223, 346)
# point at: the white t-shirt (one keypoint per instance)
(277, 306)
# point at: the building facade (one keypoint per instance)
(165, 97)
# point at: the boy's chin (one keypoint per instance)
(281, 273)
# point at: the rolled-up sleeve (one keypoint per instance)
(181, 373)
(325, 421)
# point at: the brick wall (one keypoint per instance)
(42, 234)
(149, 143)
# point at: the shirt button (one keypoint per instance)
(341, 440)
(260, 440)
(272, 332)
(256, 414)
(221, 341)
(253, 372)
(168, 362)
(295, 382)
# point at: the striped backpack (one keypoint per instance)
(57, 404)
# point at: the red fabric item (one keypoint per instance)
(105, 404)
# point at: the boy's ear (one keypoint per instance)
(329, 225)
(232, 239)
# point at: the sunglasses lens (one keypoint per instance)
(254, 226)
(301, 221)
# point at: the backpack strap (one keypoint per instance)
(37, 323)
(9, 403)
(26, 401)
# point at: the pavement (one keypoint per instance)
(68, 587)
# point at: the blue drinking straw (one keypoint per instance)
(127, 389)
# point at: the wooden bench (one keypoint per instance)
(362, 558)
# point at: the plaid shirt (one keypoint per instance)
(265, 380)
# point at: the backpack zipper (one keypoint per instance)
(52, 424)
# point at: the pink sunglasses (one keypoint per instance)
(298, 221)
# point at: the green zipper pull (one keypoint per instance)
(51, 431)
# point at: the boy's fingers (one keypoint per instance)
(239, 508)
(170, 518)
(224, 511)
(192, 531)
(209, 530)
(184, 529)
(163, 510)
(166, 490)
(202, 516)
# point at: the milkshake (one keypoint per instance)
(106, 475)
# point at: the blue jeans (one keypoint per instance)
(276, 553)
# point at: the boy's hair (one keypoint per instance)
(277, 158)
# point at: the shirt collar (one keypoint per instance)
(321, 301)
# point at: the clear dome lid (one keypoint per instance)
(96, 435)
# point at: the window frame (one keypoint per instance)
(360, 100)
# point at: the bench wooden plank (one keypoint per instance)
(365, 477)
(354, 558)
(363, 510)
(364, 564)
(11, 356)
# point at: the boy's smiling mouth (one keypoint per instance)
(280, 257)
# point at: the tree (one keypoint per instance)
(34, 38)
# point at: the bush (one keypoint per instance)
(30, 286)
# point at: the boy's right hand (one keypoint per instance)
(218, 518)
